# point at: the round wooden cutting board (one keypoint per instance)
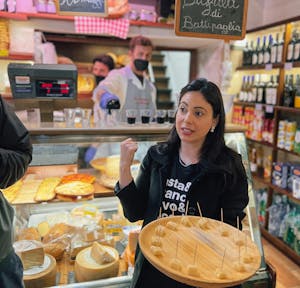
(199, 251)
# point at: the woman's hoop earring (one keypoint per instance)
(212, 129)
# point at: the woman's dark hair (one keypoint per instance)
(214, 141)
(105, 59)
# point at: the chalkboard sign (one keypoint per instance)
(221, 19)
(82, 7)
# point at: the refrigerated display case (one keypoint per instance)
(55, 146)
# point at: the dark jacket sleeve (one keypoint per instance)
(236, 196)
(15, 146)
(134, 197)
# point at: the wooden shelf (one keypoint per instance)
(281, 245)
(288, 109)
(18, 57)
(271, 145)
(260, 179)
(260, 67)
(26, 16)
(284, 192)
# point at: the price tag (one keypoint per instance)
(268, 67)
(288, 65)
(258, 107)
(269, 108)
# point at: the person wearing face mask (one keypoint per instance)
(102, 65)
(129, 84)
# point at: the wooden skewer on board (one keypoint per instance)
(202, 223)
(159, 215)
(224, 232)
(198, 205)
(187, 208)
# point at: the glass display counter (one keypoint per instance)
(56, 146)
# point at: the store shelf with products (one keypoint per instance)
(279, 105)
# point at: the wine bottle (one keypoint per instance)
(274, 48)
(274, 90)
(267, 51)
(245, 55)
(280, 49)
(290, 48)
(289, 92)
(255, 52)
(242, 91)
(262, 51)
(261, 95)
(269, 95)
(296, 56)
(297, 92)
(250, 52)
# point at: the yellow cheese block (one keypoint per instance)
(43, 228)
(101, 254)
(31, 253)
(87, 269)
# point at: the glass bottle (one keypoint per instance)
(280, 49)
(262, 51)
(255, 52)
(245, 55)
(296, 56)
(267, 51)
(297, 92)
(290, 48)
(289, 92)
(274, 49)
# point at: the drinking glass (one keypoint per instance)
(131, 116)
(171, 116)
(160, 116)
(69, 117)
(145, 116)
(86, 118)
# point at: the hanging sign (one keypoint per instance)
(96, 8)
(221, 19)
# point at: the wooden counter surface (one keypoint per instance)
(49, 128)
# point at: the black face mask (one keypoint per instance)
(99, 79)
(140, 64)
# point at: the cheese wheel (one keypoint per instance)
(42, 276)
(87, 269)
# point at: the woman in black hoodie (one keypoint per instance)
(194, 163)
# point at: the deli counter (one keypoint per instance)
(59, 151)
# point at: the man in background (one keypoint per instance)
(130, 84)
(102, 64)
(15, 156)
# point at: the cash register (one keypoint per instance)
(44, 83)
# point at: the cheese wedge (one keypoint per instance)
(31, 253)
(100, 254)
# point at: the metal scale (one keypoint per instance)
(44, 83)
